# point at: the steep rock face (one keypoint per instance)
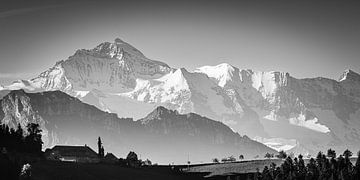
(67, 120)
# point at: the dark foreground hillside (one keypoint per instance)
(44, 170)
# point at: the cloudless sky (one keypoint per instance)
(304, 38)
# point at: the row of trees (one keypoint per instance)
(227, 159)
(281, 155)
(323, 167)
(20, 141)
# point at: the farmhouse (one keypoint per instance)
(72, 154)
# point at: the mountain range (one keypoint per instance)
(274, 108)
(163, 136)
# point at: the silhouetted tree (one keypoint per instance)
(301, 168)
(100, 148)
(347, 153)
(215, 160)
(266, 175)
(356, 170)
(321, 168)
(33, 140)
(312, 170)
(241, 157)
(346, 168)
(132, 159)
(268, 155)
(282, 155)
(331, 153)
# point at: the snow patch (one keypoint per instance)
(312, 124)
(277, 143)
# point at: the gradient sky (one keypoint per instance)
(304, 38)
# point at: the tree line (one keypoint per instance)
(19, 140)
(323, 167)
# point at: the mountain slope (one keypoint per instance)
(67, 120)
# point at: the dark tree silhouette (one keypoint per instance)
(14, 140)
(33, 141)
(100, 148)
(321, 168)
(282, 155)
(346, 169)
(356, 171)
(301, 168)
(132, 159)
(331, 153)
(268, 155)
(312, 170)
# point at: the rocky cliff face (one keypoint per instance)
(67, 120)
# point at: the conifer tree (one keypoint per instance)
(100, 148)
(356, 171)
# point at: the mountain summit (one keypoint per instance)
(109, 66)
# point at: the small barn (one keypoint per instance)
(110, 158)
(82, 154)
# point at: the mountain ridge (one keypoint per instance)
(66, 120)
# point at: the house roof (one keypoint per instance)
(78, 151)
(110, 156)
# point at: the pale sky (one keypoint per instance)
(304, 38)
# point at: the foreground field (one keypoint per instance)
(242, 167)
(44, 170)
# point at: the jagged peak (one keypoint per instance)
(118, 50)
(157, 114)
(161, 109)
(220, 68)
(114, 49)
(349, 74)
(222, 73)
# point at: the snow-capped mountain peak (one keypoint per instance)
(116, 49)
(116, 77)
(222, 73)
(113, 67)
